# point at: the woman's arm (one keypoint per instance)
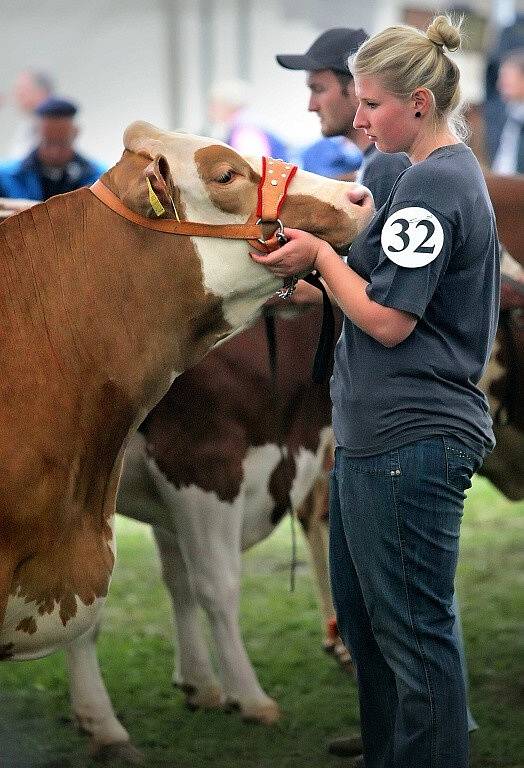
(387, 325)
(305, 252)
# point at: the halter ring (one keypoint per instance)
(278, 233)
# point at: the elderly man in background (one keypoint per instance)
(53, 166)
(31, 87)
(509, 157)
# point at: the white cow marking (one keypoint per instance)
(51, 633)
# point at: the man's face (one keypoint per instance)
(27, 93)
(56, 139)
(511, 81)
(335, 108)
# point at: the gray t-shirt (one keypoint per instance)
(379, 171)
(426, 385)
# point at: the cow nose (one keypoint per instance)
(360, 195)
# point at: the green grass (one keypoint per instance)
(283, 636)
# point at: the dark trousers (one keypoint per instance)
(394, 535)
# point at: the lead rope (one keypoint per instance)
(293, 564)
(271, 338)
(322, 363)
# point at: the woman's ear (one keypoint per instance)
(421, 100)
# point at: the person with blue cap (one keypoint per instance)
(53, 166)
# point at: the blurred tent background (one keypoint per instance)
(156, 60)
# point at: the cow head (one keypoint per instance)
(201, 180)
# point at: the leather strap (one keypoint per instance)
(247, 231)
(323, 362)
(272, 190)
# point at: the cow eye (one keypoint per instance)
(225, 177)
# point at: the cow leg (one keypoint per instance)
(6, 577)
(313, 516)
(193, 670)
(218, 585)
(208, 536)
(7, 569)
(92, 706)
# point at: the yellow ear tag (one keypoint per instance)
(156, 205)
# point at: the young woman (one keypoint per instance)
(419, 290)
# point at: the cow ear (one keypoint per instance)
(160, 188)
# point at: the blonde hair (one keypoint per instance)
(406, 59)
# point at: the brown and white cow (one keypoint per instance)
(218, 462)
(100, 314)
(215, 477)
(503, 380)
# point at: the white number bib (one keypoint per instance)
(412, 237)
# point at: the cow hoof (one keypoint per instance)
(338, 650)
(343, 657)
(266, 714)
(209, 698)
(123, 751)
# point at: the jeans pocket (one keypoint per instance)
(461, 464)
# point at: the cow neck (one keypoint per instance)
(272, 191)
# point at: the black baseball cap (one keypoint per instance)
(329, 51)
(56, 107)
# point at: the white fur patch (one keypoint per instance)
(50, 633)
(213, 521)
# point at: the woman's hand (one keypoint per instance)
(296, 257)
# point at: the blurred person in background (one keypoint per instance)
(509, 156)
(340, 152)
(53, 166)
(233, 121)
(334, 156)
(30, 89)
(509, 39)
(333, 99)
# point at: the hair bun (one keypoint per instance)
(442, 33)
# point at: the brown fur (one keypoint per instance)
(200, 431)
(507, 196)
(82, 361)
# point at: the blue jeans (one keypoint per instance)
(394, 535)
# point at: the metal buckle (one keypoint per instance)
(278, 233)
(290, 283)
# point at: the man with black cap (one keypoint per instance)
(52, 167)
(333, 99)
